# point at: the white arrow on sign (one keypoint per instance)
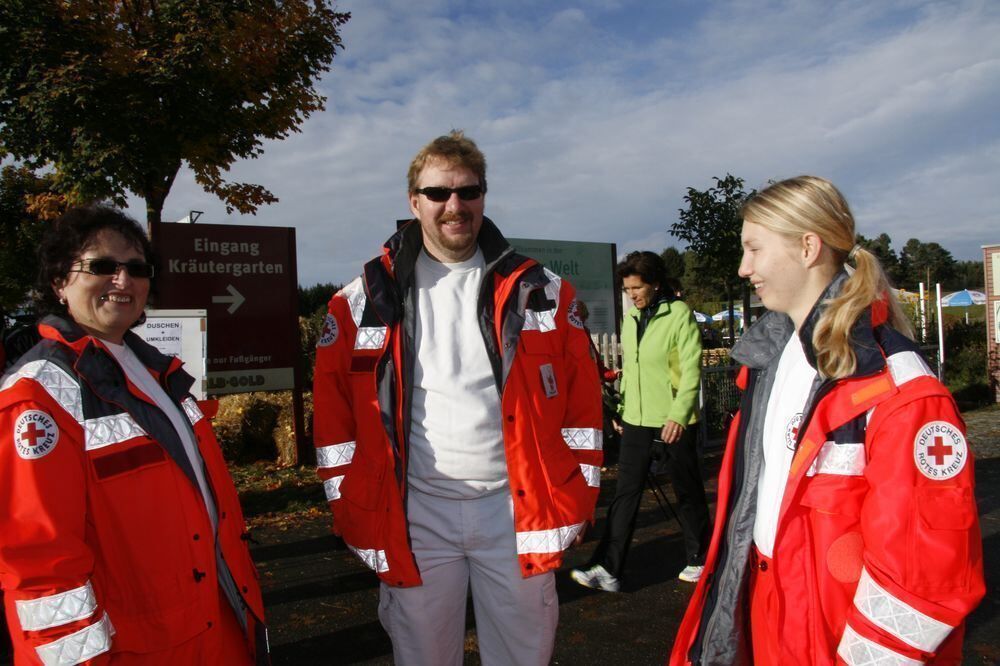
(235, 299)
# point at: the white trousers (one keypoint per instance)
(458, 543)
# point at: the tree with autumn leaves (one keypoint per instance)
(113, 96)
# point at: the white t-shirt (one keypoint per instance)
(792, 383)
(456, 436)
(140, 376)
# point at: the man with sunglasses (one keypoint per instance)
(458, 423)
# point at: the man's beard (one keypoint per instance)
(455, 242)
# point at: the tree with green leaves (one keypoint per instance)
(711, 225)
(881, 247)
(315, 298)
(673, 259)
(21, 227)
(968, 275)
(115, 96)
(925, 262)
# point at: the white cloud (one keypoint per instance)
(595, 119)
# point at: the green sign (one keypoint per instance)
(588, 266)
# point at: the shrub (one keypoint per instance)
(965, 362)
(259, 426)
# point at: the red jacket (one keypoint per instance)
(878, 556)
(550, 403)
(105, 541)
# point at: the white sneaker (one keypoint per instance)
(596, 577)
(691, 573)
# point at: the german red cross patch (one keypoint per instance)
(330, 331)
(940, 451)
(792, 431)
(35, 434)
(573, 314)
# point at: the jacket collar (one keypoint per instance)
(390, 276)
(403, 247)
(765, 340)
(92, 355)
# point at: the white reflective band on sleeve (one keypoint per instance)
(592, 474)
(332, 488)
(840, 459)
(547, 541)
(906, 366)
(63, 388)
(899, 619)
(354, 293)
(590, 439)
(56, 610)
(78, 646)
(192, 410)
(373, 559)
(370, 337)
(108, 430)
(545, 320)
(857, 650)
(335, 455)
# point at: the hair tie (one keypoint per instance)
(854, 252)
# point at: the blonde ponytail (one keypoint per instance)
(831, 338)
(806, 204)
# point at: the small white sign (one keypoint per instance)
(996, 321)
(180, 333)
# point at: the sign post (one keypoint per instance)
(991, 269)
(245, 278)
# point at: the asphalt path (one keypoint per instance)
(322, 602)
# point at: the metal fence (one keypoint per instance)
(719, 398)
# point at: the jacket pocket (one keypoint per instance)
(835, 495)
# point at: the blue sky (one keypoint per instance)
(595, 116)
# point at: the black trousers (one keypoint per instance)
(684, 471)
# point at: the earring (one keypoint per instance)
(62, 300)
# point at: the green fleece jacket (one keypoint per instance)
(661, 374)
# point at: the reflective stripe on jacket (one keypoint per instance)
(550, 404)
(105, 541)
(878, 555)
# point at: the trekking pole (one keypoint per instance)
(659, 493)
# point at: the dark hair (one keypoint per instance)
(69, 235)
(649, 266)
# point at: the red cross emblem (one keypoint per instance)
(32, 432)
(330, 331)
(939, 450)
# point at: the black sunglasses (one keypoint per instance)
(442, 194)
(136, 269)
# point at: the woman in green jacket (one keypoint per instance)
(661, 349)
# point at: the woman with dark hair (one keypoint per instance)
(847, 530)
(661, 359)
(121, 536)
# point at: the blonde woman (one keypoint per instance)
(847, 529)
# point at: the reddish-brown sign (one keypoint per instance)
(245, 277)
